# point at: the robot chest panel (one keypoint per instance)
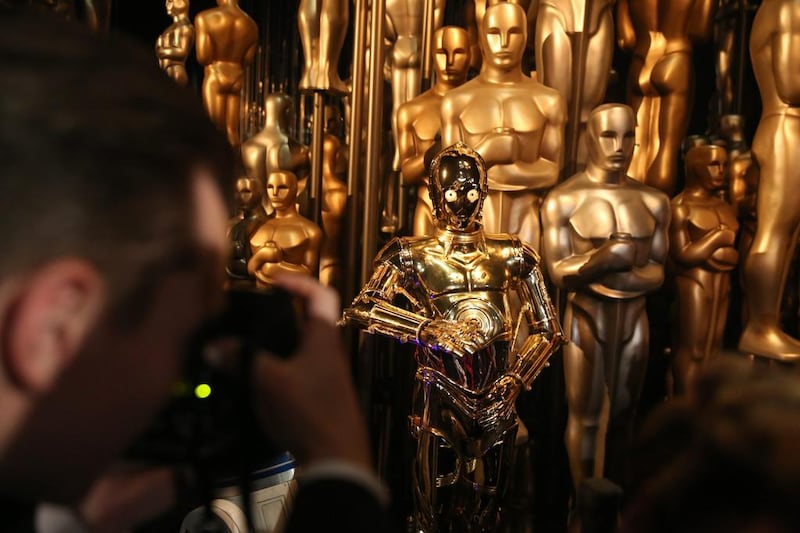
(487, 311)
(597, 217)
(514, 113)
(448, 275)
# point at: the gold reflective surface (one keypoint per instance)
(702, 247)
(742, 179)
(323, 27)
(173, 46)
(273, 148)
(419, 120)
(287, 243)
(449, 294)
(226, 43)
(334, 200)
(403, 34)
(475, 10)
(605, 242)
(775, 50)
(660, 35)
(574, 47)
(514, 122)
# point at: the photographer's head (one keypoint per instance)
(112, 226)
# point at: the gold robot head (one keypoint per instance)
(458, 185)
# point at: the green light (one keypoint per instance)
(202, 391)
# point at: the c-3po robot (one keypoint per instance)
(462, 297)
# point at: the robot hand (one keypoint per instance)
(496, 404)
(459, 338)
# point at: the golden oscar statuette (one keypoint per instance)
(514, 122)
(605, 243)
(226, 44)
(173, 46)
(702, 241)
(288, 242)
(419, 120)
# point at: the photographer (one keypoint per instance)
(112, 225)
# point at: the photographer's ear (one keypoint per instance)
(45, 324)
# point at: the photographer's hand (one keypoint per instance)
(307, 403)
(126, 497)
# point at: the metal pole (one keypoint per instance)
(741, 61)
(427, 44)
(317, 134)
(374, 140)
(354, 162)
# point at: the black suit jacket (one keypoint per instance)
(336, 505)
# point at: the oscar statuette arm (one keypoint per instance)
(511, 166)
(204, 49)
(300, 160)
(250, 54)
(311, 254)
(451, 123)
(567, 268)
(533, 14)
(412, 160)
(438, 13)
(269, 261)
(650, 276)
(177, 51)
(688, 253)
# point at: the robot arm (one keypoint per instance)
(373, 310)
(545, 335)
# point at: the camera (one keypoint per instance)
(209, 424)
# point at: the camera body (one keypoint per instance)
(209, 425)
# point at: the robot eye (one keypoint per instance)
(473, 195)
(451, 196)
